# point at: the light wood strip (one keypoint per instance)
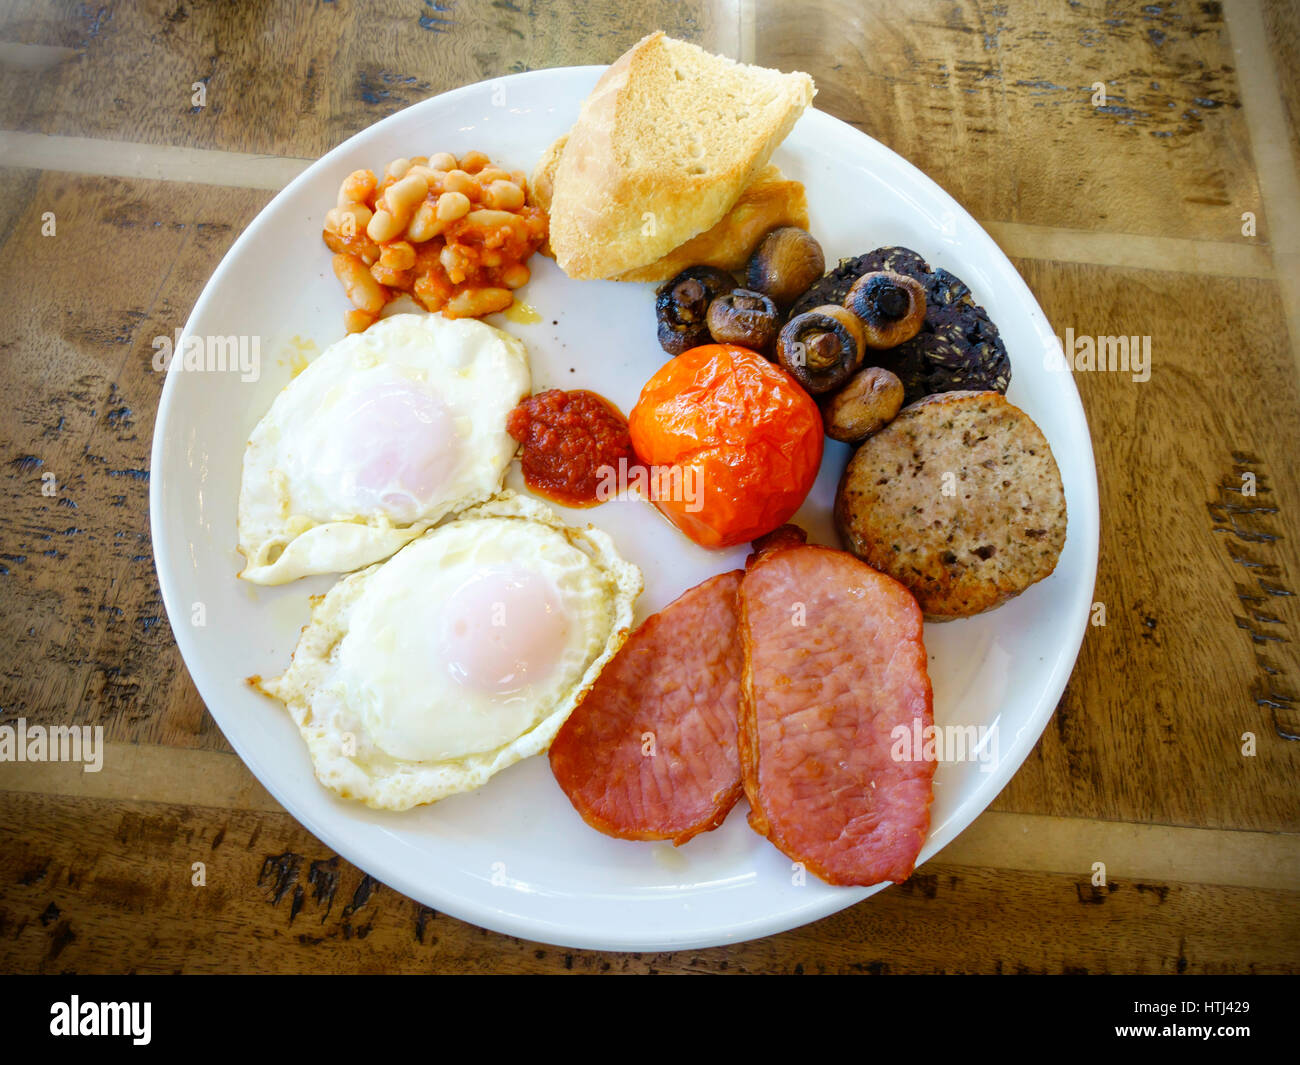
(1027, 842)
(1271, 145)
(87, 155)
(746, 21)
(142, 773)
(33, 56)
(1036, 843)
(1132, 251)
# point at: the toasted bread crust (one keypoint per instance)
(542, 185)
(623, 195)
(765, 205)
(771, 201)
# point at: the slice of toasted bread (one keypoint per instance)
(662, 149)
(771, 200)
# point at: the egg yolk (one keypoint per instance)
(389, 449)
(504, 630)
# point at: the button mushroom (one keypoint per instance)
(682, 306)
(786, 263)
(891, 307)
(821, 348)
(870, 401)
(747, 318)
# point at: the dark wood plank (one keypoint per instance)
(86, 637)
(298, 80)
(994, 101)
(1150, 727)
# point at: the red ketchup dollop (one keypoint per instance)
(573, 442)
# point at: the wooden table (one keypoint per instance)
(1170, 210)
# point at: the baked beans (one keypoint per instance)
(359, 283)
(454, 233)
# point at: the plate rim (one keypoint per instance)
(502, 920)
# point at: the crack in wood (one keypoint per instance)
(1241, 521)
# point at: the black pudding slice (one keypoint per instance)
(958, 347)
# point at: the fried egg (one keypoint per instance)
(424, 675)
(384, 434)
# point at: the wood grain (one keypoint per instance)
(994, 101)
(1125, 220)
(1266, 44)
(88, 886)
(1151, 725)
(1282, 24)
(125, 264)
(297, 81)
(1030, 842)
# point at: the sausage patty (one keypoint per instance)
(834, 665)
(650, 752)
(960, 499)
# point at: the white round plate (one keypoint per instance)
(515, 856)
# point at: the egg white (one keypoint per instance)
(383, 721)
(417, 398)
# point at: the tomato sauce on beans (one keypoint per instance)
(453, 233)
(573, 442)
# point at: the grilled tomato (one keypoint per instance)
(741, 440)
